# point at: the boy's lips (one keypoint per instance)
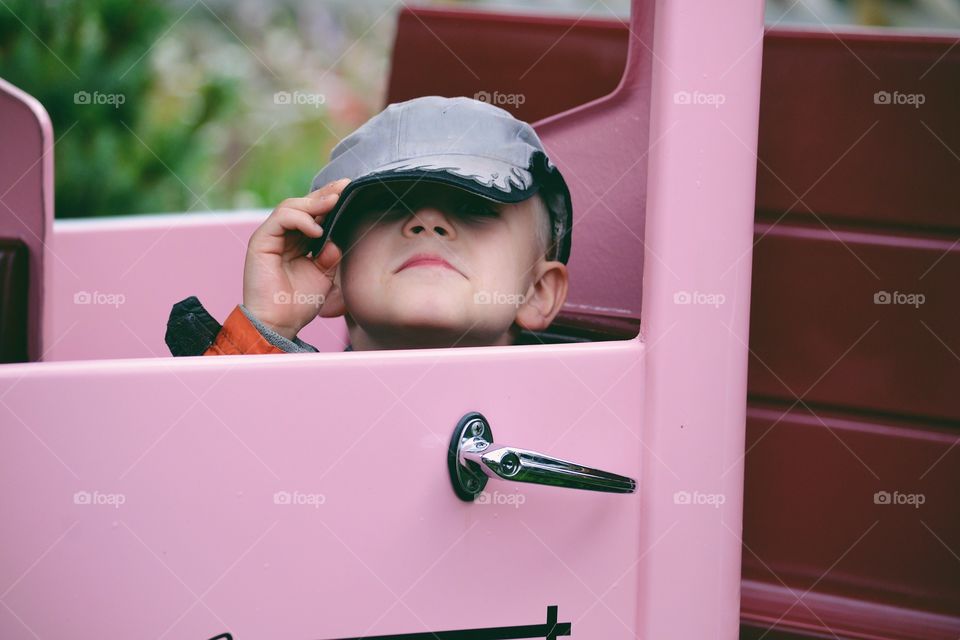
(425, 259)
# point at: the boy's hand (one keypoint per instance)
(282, 287)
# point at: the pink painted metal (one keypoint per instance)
(197, 449)
(26, 197)
(306, 496)
(143, 265)
(698, 237)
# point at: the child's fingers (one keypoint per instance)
(286, 219)
(309, 204)
(317, 202)
(304, 214)
(331, 187)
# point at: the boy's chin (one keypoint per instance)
(452, 319)
(431, 314)
(447, 312)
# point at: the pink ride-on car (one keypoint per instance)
(587, 484)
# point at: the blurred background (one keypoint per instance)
(195, 105)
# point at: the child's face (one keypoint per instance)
(486, 273)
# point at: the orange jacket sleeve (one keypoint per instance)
(238, 336)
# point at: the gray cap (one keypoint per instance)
(460, 142)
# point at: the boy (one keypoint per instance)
(444, 224)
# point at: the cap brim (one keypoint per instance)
(487, 177)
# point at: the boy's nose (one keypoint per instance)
(428, 220)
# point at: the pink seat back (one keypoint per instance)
(26, 216)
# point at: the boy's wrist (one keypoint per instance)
(287, 332)
(290, 345)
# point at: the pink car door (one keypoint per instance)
(587, 490)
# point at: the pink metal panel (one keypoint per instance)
(26, 196)
(115, 279)
(142, 502)
(704, 103)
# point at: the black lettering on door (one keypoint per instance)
(551, 630)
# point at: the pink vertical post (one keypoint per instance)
(705, 98)
(26, 197)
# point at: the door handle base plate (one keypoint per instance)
(467, 479)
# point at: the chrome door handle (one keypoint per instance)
(473, 458)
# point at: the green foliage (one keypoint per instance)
(89, 63)
(160, 107)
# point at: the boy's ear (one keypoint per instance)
(332, 304)
(545, 297)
